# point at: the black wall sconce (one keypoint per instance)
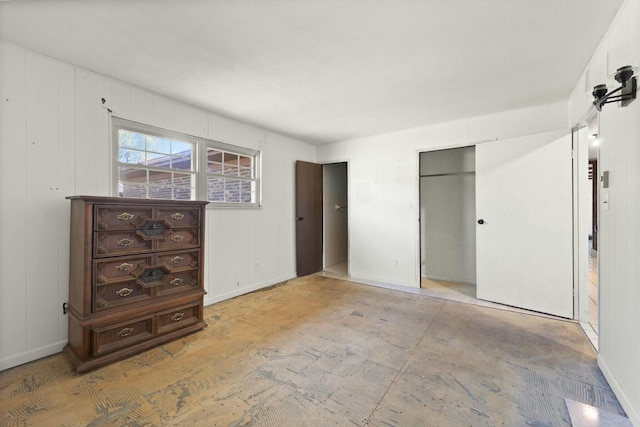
(624, 76)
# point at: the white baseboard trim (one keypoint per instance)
(31, 355)
(381, 281)
(633, 412)
(449, 279)
(232, 294)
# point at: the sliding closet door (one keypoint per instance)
(524, 231)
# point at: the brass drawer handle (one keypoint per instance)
(125, 332)
(177, 216)
(176, 260)
(177, 238)
(177, 317)
(124, 266)
(125, 216)
(124, 292)
(125, 242)
(176, 281)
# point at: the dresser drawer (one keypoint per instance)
(179, 260)
(178, 318)
(180, 217)
(119, 269)
(178, 282)
(114, 295)
(180, 239)
(120, 243)
(119, 217)
(115, 337)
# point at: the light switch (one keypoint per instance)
(604, 179)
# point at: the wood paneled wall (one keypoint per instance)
(55, 141)
(619, 232)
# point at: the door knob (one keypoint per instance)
(481, 221)
(299, 218)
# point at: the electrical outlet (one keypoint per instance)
(396, 263)
(257, 265)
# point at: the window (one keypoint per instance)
(159, 164)
(230, 176)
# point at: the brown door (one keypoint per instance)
(308, 218)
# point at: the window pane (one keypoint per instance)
(182, 186)
(214, 155)
(245, 172)
(160, 178)
(138, 191)
(247, 193)
(230, 159)
(132, 175)
(183, 163)
(215, 189)
(128, 139)
(231, 190)
(181, 148)
(158, 160)
(159, 192)
(214, 167)
(230, 170)
(158, 145)
(245, 162)
(126, 155)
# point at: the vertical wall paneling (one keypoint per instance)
(66, 183)
(42, 194)
(85, 125)
(13, 225)
(102, 135)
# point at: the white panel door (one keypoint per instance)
(524, 244)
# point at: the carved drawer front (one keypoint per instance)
(180, 216)
(120, 243)
(177, 282)
(120, 217)
(118, 294)
(180, 238)
(115, 337)
(179, 260)
(178, 318)
(119, 269)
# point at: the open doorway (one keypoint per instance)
(335, 214)
(586, 144)
(592, 217)
(447, 221)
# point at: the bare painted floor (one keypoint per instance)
(319, 351)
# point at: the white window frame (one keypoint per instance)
(240, 151)
(199, 162)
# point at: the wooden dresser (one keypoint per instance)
(136, 276)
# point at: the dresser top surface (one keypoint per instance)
(132, 201)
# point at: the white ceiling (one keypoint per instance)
(325, 70)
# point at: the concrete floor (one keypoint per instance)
(317, 351)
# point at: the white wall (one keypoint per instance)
(619, 232)
(383, 184)
(448, 215)
(54, 142)
(334, 189)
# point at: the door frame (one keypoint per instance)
(581, 287)
(418, 261)
(347, 162)
(349, 200)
